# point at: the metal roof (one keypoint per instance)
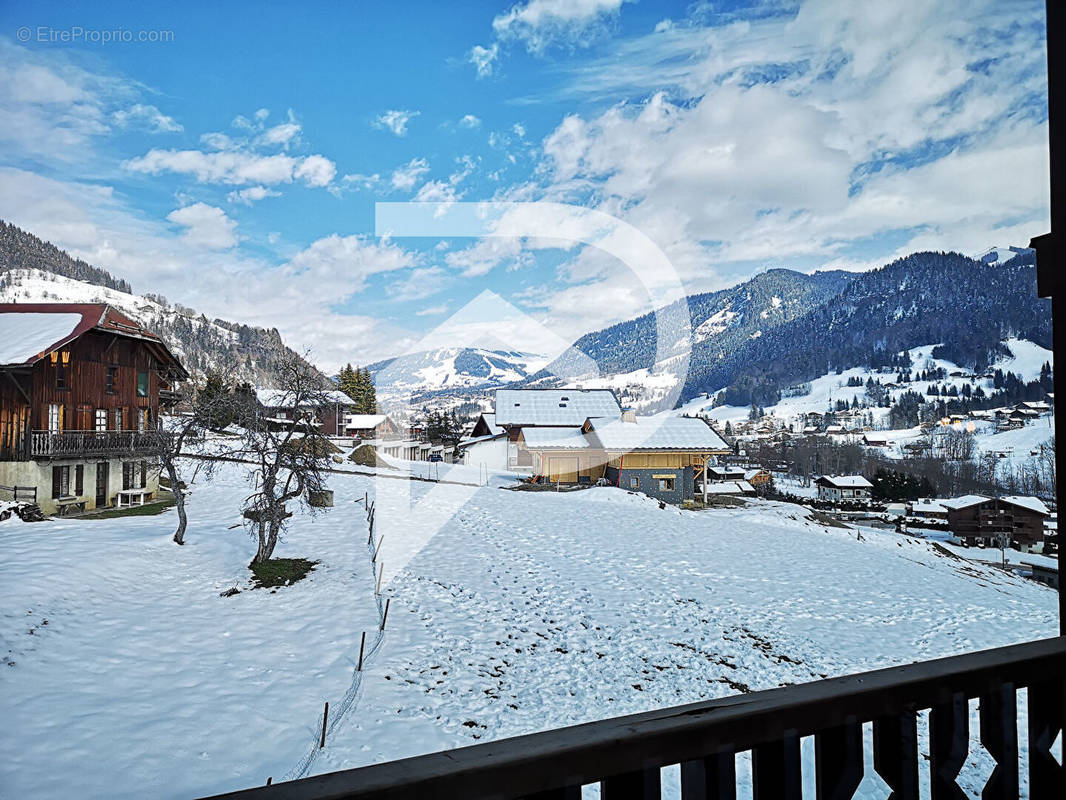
(554, 407)
(657, 433)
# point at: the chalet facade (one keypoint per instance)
(487, 445)
(520, 409)
(81, 387)
(978, 520)
(657, 456)
(844, 488)
(327, 413)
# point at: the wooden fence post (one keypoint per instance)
(374, 558)
(385, 614)
(362, 644)
(381, 571)
(325, 718)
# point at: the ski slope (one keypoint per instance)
(524, 611)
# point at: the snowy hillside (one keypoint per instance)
(242, 352)
(451, 368)
(526, 611)
(1001, 255)
(1025, 360)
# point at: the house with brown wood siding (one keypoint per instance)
(976, 520)
(81, 388)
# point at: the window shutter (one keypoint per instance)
(57, 478)
(144, 474)
(79, 479)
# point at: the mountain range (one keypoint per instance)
(34, 271)
(747, 343)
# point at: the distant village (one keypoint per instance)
(85, 391)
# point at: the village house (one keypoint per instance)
(657, 456)
(328, 413)
(759, 478)
(718, 473)
(520, 409)
(978, 520)
(81, 390)
(487, 444)
(371, 426)
(843, 488)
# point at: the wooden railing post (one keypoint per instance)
(949, 742)
(775, 770)
(999, 735)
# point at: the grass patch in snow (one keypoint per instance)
(280, 572)
(147, 510)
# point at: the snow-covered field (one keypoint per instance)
(525, 611)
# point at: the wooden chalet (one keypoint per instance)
(519, 409)
(657, 456)
(978, 520)
(327, 412)
(81, 387)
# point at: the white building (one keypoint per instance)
(837, 488)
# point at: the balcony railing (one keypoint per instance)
(76, 444)
(624, 755)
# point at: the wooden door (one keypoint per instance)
(101, 483)
(562, 469)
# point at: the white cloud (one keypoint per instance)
(470, 121)
(251, 195)
(432, 311)
(484, 59)
(150, 117)
(541, 23)
(420, 283)
(395, 121)
(348, 259)
(404, 178)
(206, 226)
(236, 166)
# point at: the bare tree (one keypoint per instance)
(205, 407)
(290, 457)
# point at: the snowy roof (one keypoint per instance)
(24, 337)
(730, 487)
(1031, 503)
(967, 500)
(928, 506)
(751, 473)
(846, 481)
(280, 398)
(555, 438)
(553, 406)
(363, 421)
(657, 433)
(30, 331)
(490, 423)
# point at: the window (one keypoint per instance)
(144, 474)
(142, 384)
(61, 376)
(60, 482)
(101, 419)
(55, 418)
(109, 385)
(634, 482)
(666, 484)
(128, 474)
(118, 419)
(142, 419)
(79, 480)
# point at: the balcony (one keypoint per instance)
(86, 444)
(624, 755)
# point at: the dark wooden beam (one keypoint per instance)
(583, 754)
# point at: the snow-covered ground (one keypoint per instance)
(525, 611)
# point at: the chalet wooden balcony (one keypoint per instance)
(624, 755)
(104, 444)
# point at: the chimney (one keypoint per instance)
(629, 415)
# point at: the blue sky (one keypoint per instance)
(234, 167)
